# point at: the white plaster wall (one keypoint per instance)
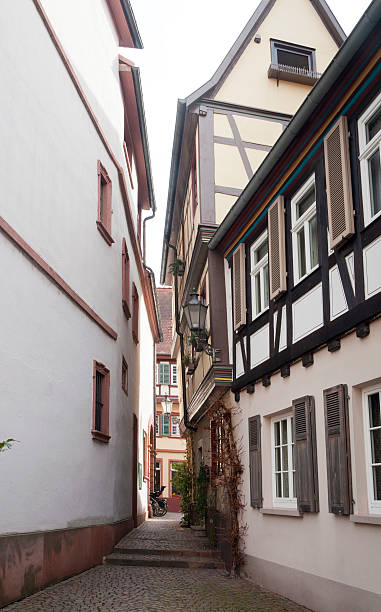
(320, 544)
(57, 475)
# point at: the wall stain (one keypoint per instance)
(30, 580)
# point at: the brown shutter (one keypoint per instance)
(338, 450)
(135, 313)
(306, 477)
(277, 251)
(255, 461)
(339, 186)
(239, 287)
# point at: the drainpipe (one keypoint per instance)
(181, 336)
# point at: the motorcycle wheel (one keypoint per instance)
(161, 511)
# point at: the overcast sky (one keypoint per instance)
(184, 43)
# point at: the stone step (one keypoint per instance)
(180, 552)
(167, 560)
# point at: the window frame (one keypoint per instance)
(145, 455)
(157, 424)
(256, 268)
(366, 150)
(135, 314)
(174, 374)
(126, 280)
(282, 45)
(170, 462)
(374, 505)
(162, 425)
(290, 502)
(124, 375)
(102, 434)
(159, 462)
(104, 203)
(162, 381)
(177, 425)
(296, 226)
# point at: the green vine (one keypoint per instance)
(6, 444)
(182, 481)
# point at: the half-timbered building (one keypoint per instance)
(302, 248)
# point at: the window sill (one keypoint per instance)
(100, 435)
(126, 309)
(293, 74)
(104, 233)
(282, 512)
(367, 519)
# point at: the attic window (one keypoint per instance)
(290, 62)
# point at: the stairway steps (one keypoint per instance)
(164, 560)
(165, 551)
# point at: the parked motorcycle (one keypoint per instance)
(158, 504)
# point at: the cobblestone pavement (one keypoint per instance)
(148, 589)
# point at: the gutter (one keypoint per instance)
(342, 58)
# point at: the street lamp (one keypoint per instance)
(167, 405)
(195, 315)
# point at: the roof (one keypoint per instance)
(164, 295)
(207, 89)
(302, 117)
(125, 23)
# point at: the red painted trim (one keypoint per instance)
(135, 314)
(54, 277)
(143, 274)
(128, 163)
(170, 450)
(121, 24)
(145, 455)
(104, 203)
(125, 280)
(103, 434)
(160, 460)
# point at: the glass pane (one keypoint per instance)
(301, 253)
(278, 484)
(284, 431)
(277, 459)
(373, 125)
(284, 457)
(375, 182)
(277, 433)
(313, 242)
(290, 58)
(257, 281)
(374, 410)
(266, 286)
(377, 482)
(286, 492)
(305, 202)
(261, 251)
(375, 438)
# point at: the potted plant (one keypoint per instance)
(177, 268)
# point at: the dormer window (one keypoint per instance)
(290, 62)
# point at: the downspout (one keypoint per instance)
(181, 336)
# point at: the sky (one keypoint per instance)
(184, 43)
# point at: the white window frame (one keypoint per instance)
(374, 505)
(157, 424)
(174, 374)
(163, 363)
(366, 151)
(283, 502)
(175, 427)
(258, 268)
(296, 226)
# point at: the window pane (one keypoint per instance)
(373, 125)
(313, 242)
(277, 433)
(301, 253)
(286, 492)
(261, 251)
(377, 482)
(375, 438)
(284, 457)
(288, 58)
(278, 483)
(305, 202)
(257, 281)
(284, 432)
(277, 459)
(266, 286)
(375, 182)
(374, 410)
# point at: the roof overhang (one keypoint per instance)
(125, 23)
(134, 110)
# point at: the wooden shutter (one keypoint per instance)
(239, 287)
(306, 477)
(277, 249)
(338, 450)
(255, 461)
(135, 313)
(339, 186)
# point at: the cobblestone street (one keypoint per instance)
(117, 588)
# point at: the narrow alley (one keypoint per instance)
(157, 567)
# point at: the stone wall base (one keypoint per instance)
(31, 561)
(314, 592)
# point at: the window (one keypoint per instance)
(284, 493)
(145, 456)
(157, 475)
(125, 280)
(124, 376)
(291, 62)
(173, 469)
(372, 420)
(157, 425)
(174, 374)
(104, 204)
(101, 394)
(135, 314)
(259, 261)
(370, 149)
(175, 426)
(164, 374)
(304, 230)
(165, 425)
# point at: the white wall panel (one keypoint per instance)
(338, 303)
(350, 261)
(307, 313)
(259, 346)
(372, 268)
(239, 364)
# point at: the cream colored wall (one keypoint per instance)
(223, 205)
(321, 544)
(294, 21)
